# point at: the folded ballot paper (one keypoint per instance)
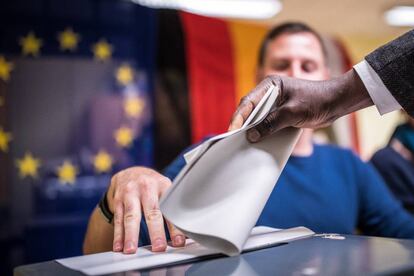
(220, 193)
(144, 258)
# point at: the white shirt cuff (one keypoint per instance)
(380, 95)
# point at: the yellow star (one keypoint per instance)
(5, 138)
(67, 173)
(68, 40)
(133, 107)
(31, 44)
(5, 68)
(102, 162)
(102, 50)
(28, 166)
(123, 136)
(124, 74)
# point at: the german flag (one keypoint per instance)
(218, 65)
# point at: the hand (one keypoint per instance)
(132, 192)
(303, 103)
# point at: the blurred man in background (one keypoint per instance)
(323, 187)
(395, 163)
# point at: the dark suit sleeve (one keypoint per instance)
(394, 64)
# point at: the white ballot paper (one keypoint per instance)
(218, 196)
(144, 258)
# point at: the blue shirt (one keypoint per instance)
(331, 190)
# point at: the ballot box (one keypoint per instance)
(321, 254)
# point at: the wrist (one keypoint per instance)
(356, 96)
(104, 208)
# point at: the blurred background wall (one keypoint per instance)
(89, 87)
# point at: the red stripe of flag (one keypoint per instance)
(211, 74)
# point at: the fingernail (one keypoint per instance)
(117, 247)
(178, 240)
(129, 246)
(253, 135)
(158, 244)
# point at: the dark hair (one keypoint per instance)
(287, 28)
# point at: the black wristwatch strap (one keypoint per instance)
(104, 207)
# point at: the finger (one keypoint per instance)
(280, 123)
(118, 226)
(153, 217)
(177, 237)
(236, 122)
(243, 111)
(249, 102)
(271, 124)
(132, 218)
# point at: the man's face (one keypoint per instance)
(297, 55)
